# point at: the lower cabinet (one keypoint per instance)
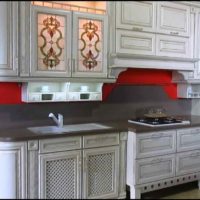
(88, 167)
(13, 170)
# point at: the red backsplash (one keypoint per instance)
(144, 77)
(10, 93)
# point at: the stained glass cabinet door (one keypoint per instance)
(50, 42)
(89, 45)
(9, 38)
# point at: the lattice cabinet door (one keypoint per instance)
(89, 45)
(59, 175)
(9, 38)
(101, 172)
(50, 42)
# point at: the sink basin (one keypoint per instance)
(67, 128)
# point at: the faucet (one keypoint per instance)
(58, 121)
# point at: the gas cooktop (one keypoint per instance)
(158, 122)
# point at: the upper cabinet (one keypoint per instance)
(50, 42)
(9, 38)
(173, 19)
(136, 15)
(89, 45)
(66, 43)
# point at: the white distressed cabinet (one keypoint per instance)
(161, 159)
(173, 19)
(9, 38)
(13, 170)
(50, 42)
(90, 166)
(136, 15)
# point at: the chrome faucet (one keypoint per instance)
(58, 121)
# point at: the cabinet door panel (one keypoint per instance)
(90, 45)
(188, 139)
(9, 38)
(136, 15)
(50, 42)
(187, 162)
(156, 168)
(173, 46)
(101, 175)
(131, 42)
(173, 18)
(59, 176)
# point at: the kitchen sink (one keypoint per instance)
(67, 128)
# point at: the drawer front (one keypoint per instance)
(153, 169)
(173, 46)
(188, 139)
(187, 162)
(154, 144)
(100, 140)
(59, 144)
(131, 42)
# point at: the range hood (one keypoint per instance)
(121, 62)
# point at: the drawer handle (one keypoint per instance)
(174, 33)
(195, 154)
(137, 29)
(158, 160)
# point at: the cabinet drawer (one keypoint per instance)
(153, 169)
(188, 139)
(59, 144)
(187, 162)
(173, 46)
(131, 42)
(154, 144)
(100, 140)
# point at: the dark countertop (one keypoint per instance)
(21, 133)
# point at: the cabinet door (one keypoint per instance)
(132, 42)
(136, 15)
(9, 38)
(13, 170)
(59, 175)
(101, 172)
(173, 19)
(90, 45)
(173, 46)
(50, 42)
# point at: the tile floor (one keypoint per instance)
(184, 191)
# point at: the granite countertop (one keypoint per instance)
(19, 132)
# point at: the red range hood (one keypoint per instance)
(144, 77)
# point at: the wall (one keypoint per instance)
(195, 110)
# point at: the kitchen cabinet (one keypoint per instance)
(128, 15)
(89, 166)
(13, 170)
(50, 42)
(162, 159)
(67, 43)
(9, 38)
(173, 19)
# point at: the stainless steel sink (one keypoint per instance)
(67, 128)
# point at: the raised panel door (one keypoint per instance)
(9, 38)
(89, 45)
(136, 15)
(50, 42)
(173, 19)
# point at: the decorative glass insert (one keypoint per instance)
(51, 42)
(90, 45)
